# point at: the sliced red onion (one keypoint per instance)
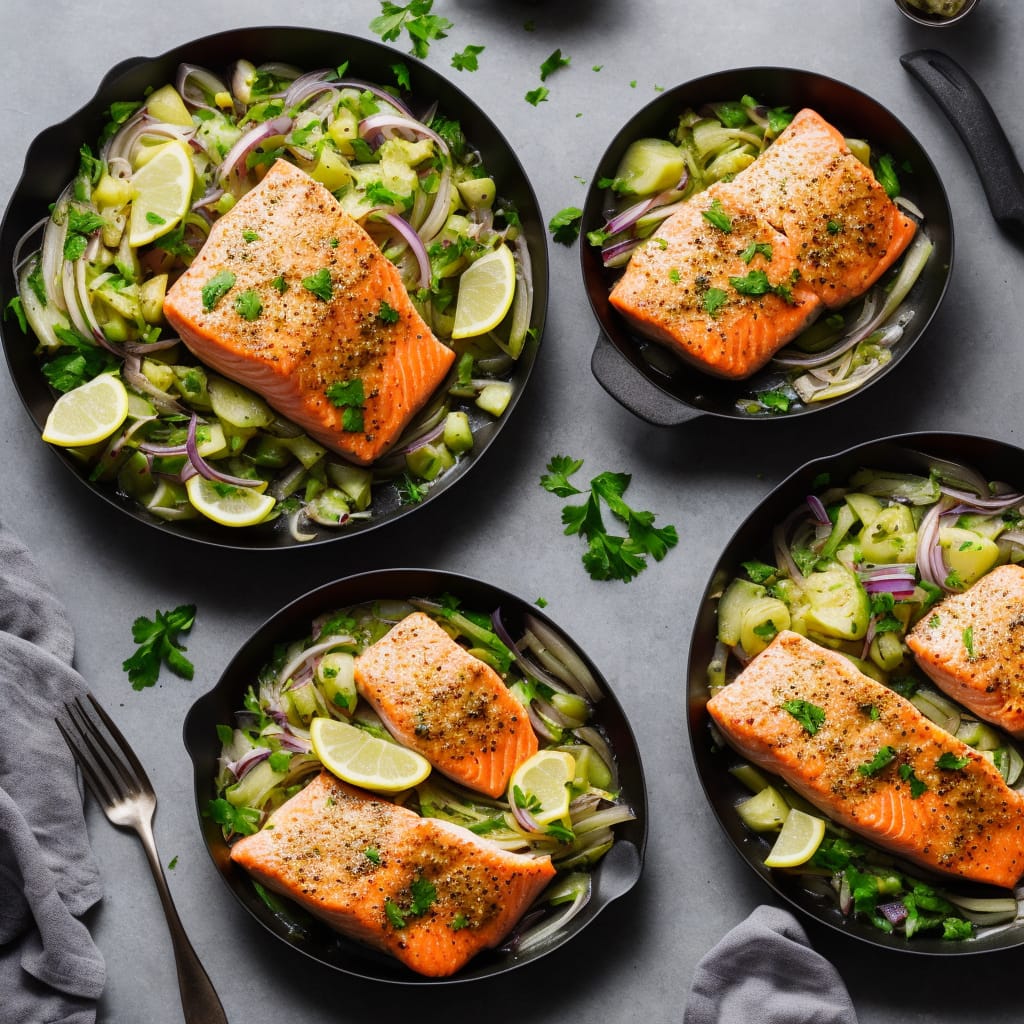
(441, 207)
(415, 244)
(304, 656)
(204, 468)
(424, 439)
(930, 562)
(613, 255)
(543, 729)
(620, 222)
(974, 503)
(133, 376)
(818, 509)
(193, 82)
(248, 761)
(525, 819)
(375, 123)
(249, 141)
(17, 261)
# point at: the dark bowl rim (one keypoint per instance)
(232, 42)
(624, 871)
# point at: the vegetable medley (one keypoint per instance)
(140, 208)
(854, 568)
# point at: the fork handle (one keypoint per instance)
(199, 1000)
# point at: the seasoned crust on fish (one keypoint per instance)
(963, 822)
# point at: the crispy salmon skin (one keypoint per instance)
(972, 646)
(290, 297)
(680, 287)
(430, 893)
(874, 763)
(441, 701)
(743, 267)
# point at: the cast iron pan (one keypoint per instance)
(52, 161)
(654, 384)
(909, 453)
(613, 877)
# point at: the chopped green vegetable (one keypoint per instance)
(467, 59)
(552, 64)
(538, 95)
(883, 756)
(717, 216)
(809, 715)
(565, 225)
(320, 284)
(216, 288)
(248, 304)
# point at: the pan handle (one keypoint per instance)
(631, 389)
(969, 111)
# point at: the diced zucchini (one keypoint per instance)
(331, 169)
(336, 675)
(762, 618)
(254, 787)
(968, 554)
(845, 519)
(330, 507)
(269, 451)
(837, 604)
(887, 651)
(159, 374)
(764, 811)
(477, 193)
(987, 525)
(650, 165)
(355, 481)
(978, 735)
(891, 536)
(861, 150)
(303, 702)
(190, 382)
(590, 767)
(871, 670)
(112, 192)
(237, 405)
(429, 461)
(572, 706)
(750, 776)
(734, 601)
(865, 506)
(944, 713)
(458, 434)
(305, 449)
(494, 398)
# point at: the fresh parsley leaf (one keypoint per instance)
(809, 715)
(394, 914)
(157, 640)
(759, 572)
(917, 786)
(562, 833)
(766, 630)
(372, 854)
(717, 216)
(279, 760)
(401, 72)
(279, 284)
(883, 756)
(713, 300)
(885, 172)
(775, 400)
(467, 59)
(80, 225)
(387, 313)
(552, 64)
(556, 480)
(15, 308)
(248, 304)
(538, 95)
(409, 491)
(320, 284)
(968, 637)
(934, 621)
(155, 218)
(951, 762)
(458, 922)
(346, 392)
(216, 288)
(423, 895)
(565, 225)
(764, 248)
(234, 820)
(415, 17)
(754, 283)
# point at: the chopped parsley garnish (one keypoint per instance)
(459, 921)
(764, 248)
(248, 304)
(81, 363)
(377, 194)
(775, 400)
(279, 760)
(157, 640)
(552, 64)
(154, 218)
(561, 832)
(717, 216)
(349, 396)
(216, 288)
(760, 572)
(279, 284)
(934, 621)
(526, 801)
(565, 225)
(809, 715)
(415, 17)
(713, 300)
(423, 894)
(234, 820)
(387, 313)
(320, 284)
(467, 59)
(81, 224)
(968, 637)
(409, 491)
(917, 787)
(674, 275)
(608, 557)
(538, 95)
(883, 756)
(885, 172)
(834, 227)
(952, 762)
(15, 307)
(372, 854)
(766, 630)
(249, 235)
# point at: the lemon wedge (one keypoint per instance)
(88, 414)
(541, 785)
(801, 835)
(162, 189)
(362, 759)
(486, 290)
(227, 504)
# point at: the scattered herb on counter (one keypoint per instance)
(538, 95)
(607, 556)
(467, 59)
(158, 644)
(172, 863)
(422, 27)
(565, 225)
(552, 64)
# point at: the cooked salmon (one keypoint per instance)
(844, 229)
(290, 297)
(441, 701)
(718, 285)
(873, 763)
(972, 646)
(430, 893)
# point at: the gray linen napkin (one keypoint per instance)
(50, 970)
(764, 970)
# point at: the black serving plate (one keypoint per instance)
(613, 876)
(656, 385)
(909, 453)
(52, 161)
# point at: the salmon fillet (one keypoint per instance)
(438, 699)
(430, 893)
(679, 286)
(844, 229)
(313, 306)
(966, 822)
(972, 646)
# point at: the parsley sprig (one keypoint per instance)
(422, 27)
(608, 557)
(158, 644)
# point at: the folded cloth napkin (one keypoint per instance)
(50, 969)
(764, 970)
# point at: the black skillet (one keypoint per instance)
(52, 161)
(613, 876)
(657, 386)
(909, 453)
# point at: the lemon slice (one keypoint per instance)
(486, 291)
(801, 835)
(365, 760)
(227, 504)
(541, 784)
(162, 193)
(88, 414)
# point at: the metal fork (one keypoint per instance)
(120, 784)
